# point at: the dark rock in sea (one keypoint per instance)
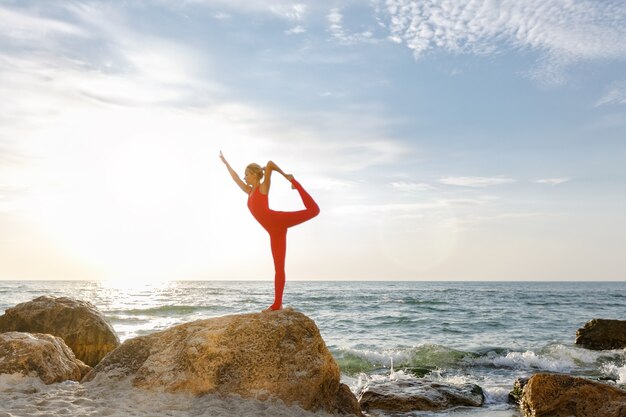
(418, 395)
(602, 334)
(42, 355)
(553, 395)
(272, 355)
(82, 327)
(515, 396)
(417, 371)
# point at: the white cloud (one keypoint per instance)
(22, 26)
(615, 95)
(468, 202)
(132, 68)
(564, 31)
(347, 141)
(474, 222)
(329, 183)
(337, 153)
(411, 186)
(221, 16)
(335, 27)
(296, 30)
(284, 9)
(334, 19)
(553, 181)
(401, 209)
(294, 12)
(476, 182)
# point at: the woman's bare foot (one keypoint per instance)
(290, 179)
(273, 308)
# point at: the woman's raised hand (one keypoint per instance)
(290, 178)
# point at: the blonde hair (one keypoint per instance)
(255, 169)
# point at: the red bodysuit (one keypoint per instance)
(276, 223)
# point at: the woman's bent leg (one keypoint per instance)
(292, 218)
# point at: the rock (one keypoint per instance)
(552, 395)
(418, 395)
(78, 323)
(272, 355)
(602, 334)
(347, 402)
(515, 396)
(45, 355)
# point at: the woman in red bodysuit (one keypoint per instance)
(257, 186)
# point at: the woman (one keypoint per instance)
(257, 186)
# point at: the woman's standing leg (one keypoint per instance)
(278, 240)
(278, 237)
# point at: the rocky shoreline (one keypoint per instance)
(276, 356)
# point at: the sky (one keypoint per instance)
(443, 140)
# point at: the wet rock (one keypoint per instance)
(43, 355)
(417, 371)
(273, 355)
(412, 394)
(347, 402)
(552, 395)
(82, 327)
(515, 396)
(602, 334)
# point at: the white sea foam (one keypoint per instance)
(613, 371)
(496, 395)
(553, 358)
(27, 396)
(577, 354)
(364, 379)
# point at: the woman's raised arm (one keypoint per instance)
(269, 167)
(245, 188)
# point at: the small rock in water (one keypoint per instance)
(83, 328)
(554, 395)
(45, 355)
(418, 395)
(602, 334)
(515, 396)
(419, 372)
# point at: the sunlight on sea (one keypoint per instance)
(482, 333)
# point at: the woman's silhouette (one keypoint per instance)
(257, 186)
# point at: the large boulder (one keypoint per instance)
(82, 327)
(552, 395)
(407, 395)
(43, 355)
(270, 355)
(602, 334)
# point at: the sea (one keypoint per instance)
(485, 333)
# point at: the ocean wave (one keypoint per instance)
(528, 360)
(127, 319)
(420, 302)
(417, 360)
(165, 310)
(552, 358)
